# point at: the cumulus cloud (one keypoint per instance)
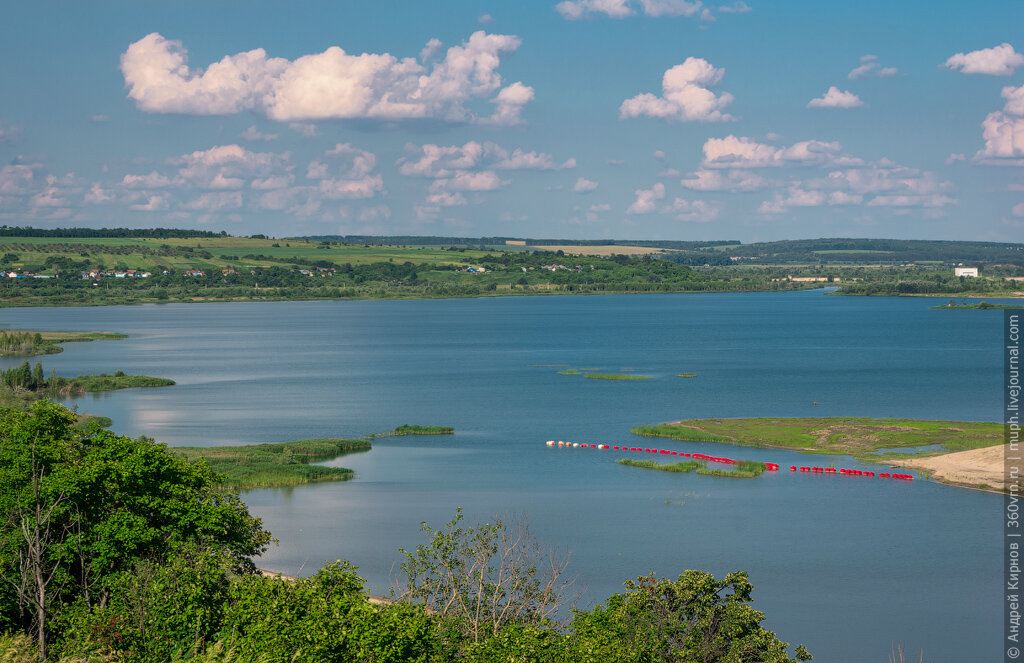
(328, 85)
(213, 202)
(252, 133)
(1018, 209)
(670, 7)
(1000, 60)
(435, 161)
(155, 203)
(647, 199)
(717, 180)
(693, 210)
(836, 98)
(743, 152)
(583, 185)
(509, 105)
(577, 9)
(685, 95)
(880, 184)
(153, 180)
(226, 166)
(1003, 131)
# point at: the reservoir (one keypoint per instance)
(850, 568)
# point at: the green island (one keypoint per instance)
(615, 376)
(744, 469)
(275, 465)
(686, 375)
(27, 383)
(287, 464)
(33, 344)
(413, 429)
(861, 437)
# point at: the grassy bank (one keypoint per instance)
(276, 465)
(857, 436)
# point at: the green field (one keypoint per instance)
(857, 436)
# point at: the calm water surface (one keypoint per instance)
(848, 567)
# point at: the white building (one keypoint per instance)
(966, 271)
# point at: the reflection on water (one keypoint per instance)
(846, 566)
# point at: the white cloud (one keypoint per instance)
(216, 201)
(646, 199)
(577, 9)
(836, 98)
(584, 185)
(486, 180)
(304, 129)
(252, 133)
(602, 207)
(153, 180)
(328, 85)
(743, 152)
(273, 182)
(880, 184)
(693, 210)
(98, 195)
(1003, 131)
(484, 19)
(356, 178)
(446, 199)
(1018, 209)
(953, 158)
(509, 105)
(436, 161)
(717, 180)
(155, 203)
(1000, 60)
(227, 166)
(870, 68)
(17, 178)
(685, 95)
(433, 46)
(670, 7)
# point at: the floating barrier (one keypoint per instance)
(770, 467)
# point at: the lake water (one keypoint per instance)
(848, 567)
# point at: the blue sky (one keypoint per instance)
(585, 119)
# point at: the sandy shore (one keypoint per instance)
(965, 468)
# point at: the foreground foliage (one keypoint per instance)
(116, 550)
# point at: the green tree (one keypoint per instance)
(95, 505)
(693, 619)
(481, 579)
